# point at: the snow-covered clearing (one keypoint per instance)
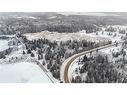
(55, 36)
(111, 49)
(81, 35)
(22, 72)
(31, 17)
(119, 26)
(52, 17)
(3, 45)
(104, 35)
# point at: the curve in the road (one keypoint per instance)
(66, 78)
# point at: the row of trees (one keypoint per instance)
(110, 29)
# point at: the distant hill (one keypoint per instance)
(13, 22)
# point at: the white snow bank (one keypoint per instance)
(3, 45)
(22, 72)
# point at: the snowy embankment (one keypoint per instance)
(3, 45)
(62, 69)
(22, 72)
(72, 68)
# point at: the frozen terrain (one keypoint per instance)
(55, 36)
(3, 45)
(22, 72)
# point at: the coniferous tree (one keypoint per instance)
(39, 57)
(43, 63)
(28, 51)
(32, 55)
(24, 52)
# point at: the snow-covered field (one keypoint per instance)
(52, 17)
(112, 38)
(3, 45)
(81, 35)
(119, 26)
(22, 72)
(64, 36)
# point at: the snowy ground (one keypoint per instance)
(19, 68)
(22, 72)
(111, 49)
(65, 36)
(52, 17)
(3, 45)
(81, 35)
(112, 38)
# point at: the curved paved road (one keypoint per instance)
(65, 77)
